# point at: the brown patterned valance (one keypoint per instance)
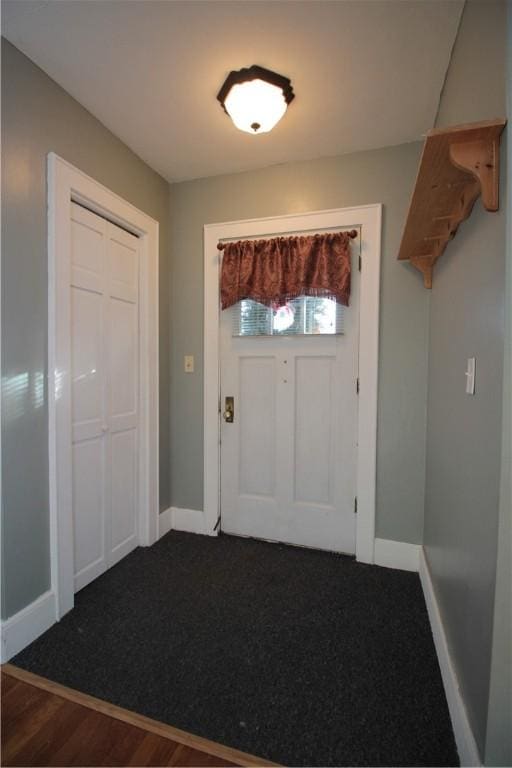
(277, 270)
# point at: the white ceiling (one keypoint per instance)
(366, 73)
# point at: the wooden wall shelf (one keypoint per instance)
(457, 165)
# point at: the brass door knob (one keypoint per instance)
(229, 412)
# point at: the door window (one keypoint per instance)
(304, 316)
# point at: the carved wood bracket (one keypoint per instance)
(457, 165)
(481, 159)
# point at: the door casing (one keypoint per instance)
(368, 219)
(67, 184)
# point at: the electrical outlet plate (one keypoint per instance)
(189, 364)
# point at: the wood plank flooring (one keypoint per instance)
(47, 724)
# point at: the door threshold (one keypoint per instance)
(286, 543)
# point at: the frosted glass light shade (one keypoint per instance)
(255, 106)
(255, 98)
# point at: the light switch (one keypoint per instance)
(189, 364)
(470, 376)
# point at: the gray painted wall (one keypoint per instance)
(498, 746)
(385, 176)
(39, 117)
(464, 432)
(475, 86)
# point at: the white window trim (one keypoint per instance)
(67, 184)
(369, 219)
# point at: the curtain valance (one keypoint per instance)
(283, 268)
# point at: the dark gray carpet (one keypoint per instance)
(302, 657)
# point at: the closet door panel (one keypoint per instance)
(88, 389)
(123, 532)
(88, 379)
(123, 356)
(88, 465)
(104, 352)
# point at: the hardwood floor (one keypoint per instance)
(47, 724)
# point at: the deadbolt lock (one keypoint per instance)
(229, 410)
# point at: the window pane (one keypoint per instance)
(321, 315)
(307, 315)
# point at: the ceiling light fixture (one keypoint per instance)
(255, 98)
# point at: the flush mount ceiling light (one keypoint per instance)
(255, 98)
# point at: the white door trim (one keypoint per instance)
(367, 217)
(67, 184)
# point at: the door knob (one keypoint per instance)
(229, 410)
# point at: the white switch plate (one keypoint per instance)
(189, 364)
(470, 376)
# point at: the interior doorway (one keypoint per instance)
(367, 220)
(105, 341)
(106, 436)
(288, 446)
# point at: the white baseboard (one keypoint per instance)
(164, 522)
(397, 554)
(25, 626)
(466, 744)
(178, 519)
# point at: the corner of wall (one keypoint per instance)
(498, 742)
(427, 364)
(448, 66)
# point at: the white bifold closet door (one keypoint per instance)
(104, 284)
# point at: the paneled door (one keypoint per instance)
(104, 283)
(288, 448)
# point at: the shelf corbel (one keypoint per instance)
(457, 165)
(481, 159)
(425, 265)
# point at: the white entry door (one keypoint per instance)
(288, 458)
(104, 352)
